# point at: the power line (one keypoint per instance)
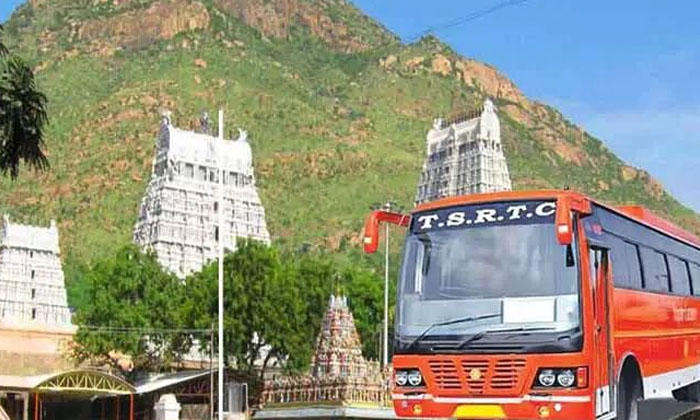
(468, 18)
(388, 43)
(144, 330)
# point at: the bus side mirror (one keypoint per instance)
(564, 222)
(370, 238)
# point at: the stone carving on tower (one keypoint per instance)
(338, 348)
(339, 373)
(464, 156)
(179, 213)
(32, 288)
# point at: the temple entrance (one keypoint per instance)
(66, 409)
(68, 395)
(91, 395)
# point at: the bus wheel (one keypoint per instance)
(689, 393)
(629, 393)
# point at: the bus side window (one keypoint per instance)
(695, 278)
(679, 276)
(633, 267)
(655, 270)
(620, 270)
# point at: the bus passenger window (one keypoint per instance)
(680, 282)
(633, 268)
(695, 277)
(655, 270)
(621, 275)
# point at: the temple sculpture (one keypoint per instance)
(339, 373)
(464, 156)
(32, 289)
(179, 213)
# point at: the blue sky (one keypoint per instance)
(626, 70)
(6, 8)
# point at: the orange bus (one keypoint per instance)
(541, 305)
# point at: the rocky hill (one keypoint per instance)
(336, 106)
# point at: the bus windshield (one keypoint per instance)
(498, 266)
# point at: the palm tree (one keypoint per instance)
(23, 116)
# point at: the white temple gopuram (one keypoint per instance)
(179, 213)
(32, 289)
(464, 156)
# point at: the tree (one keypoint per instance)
(274, 305)
(23, 115)
(264, 310)
(365, 291)
(317, 277)
(135, 309)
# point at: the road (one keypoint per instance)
(667, 409)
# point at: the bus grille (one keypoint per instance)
(506, 374)
(476, 384)
(478, 376)
(445, 374)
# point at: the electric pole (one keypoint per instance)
(388, 206)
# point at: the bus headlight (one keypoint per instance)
(408, 378)
(566, 378)
(547, 378)
(414, 378)
(561, 378)
(401, 377)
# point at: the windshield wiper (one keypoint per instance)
(450, 322)
(520, 330)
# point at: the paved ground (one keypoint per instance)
(668, 409)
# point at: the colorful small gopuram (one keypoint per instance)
(339, 374)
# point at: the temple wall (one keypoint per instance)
(28, 351)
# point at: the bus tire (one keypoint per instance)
(689, 393)
(629, 393)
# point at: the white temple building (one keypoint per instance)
(179, 213)
(32, 288)
(464, 156)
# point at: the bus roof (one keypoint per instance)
(639, 214)
(496, 196)
(645, 215)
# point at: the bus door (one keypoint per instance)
(603, 362)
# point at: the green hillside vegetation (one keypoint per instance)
(336, 107)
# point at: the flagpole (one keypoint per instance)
(220, 199)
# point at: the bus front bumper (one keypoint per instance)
(529, 407)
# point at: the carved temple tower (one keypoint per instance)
(179, 213)
(32, 289)
(338, 347)
(339, 374)
(464, 156)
